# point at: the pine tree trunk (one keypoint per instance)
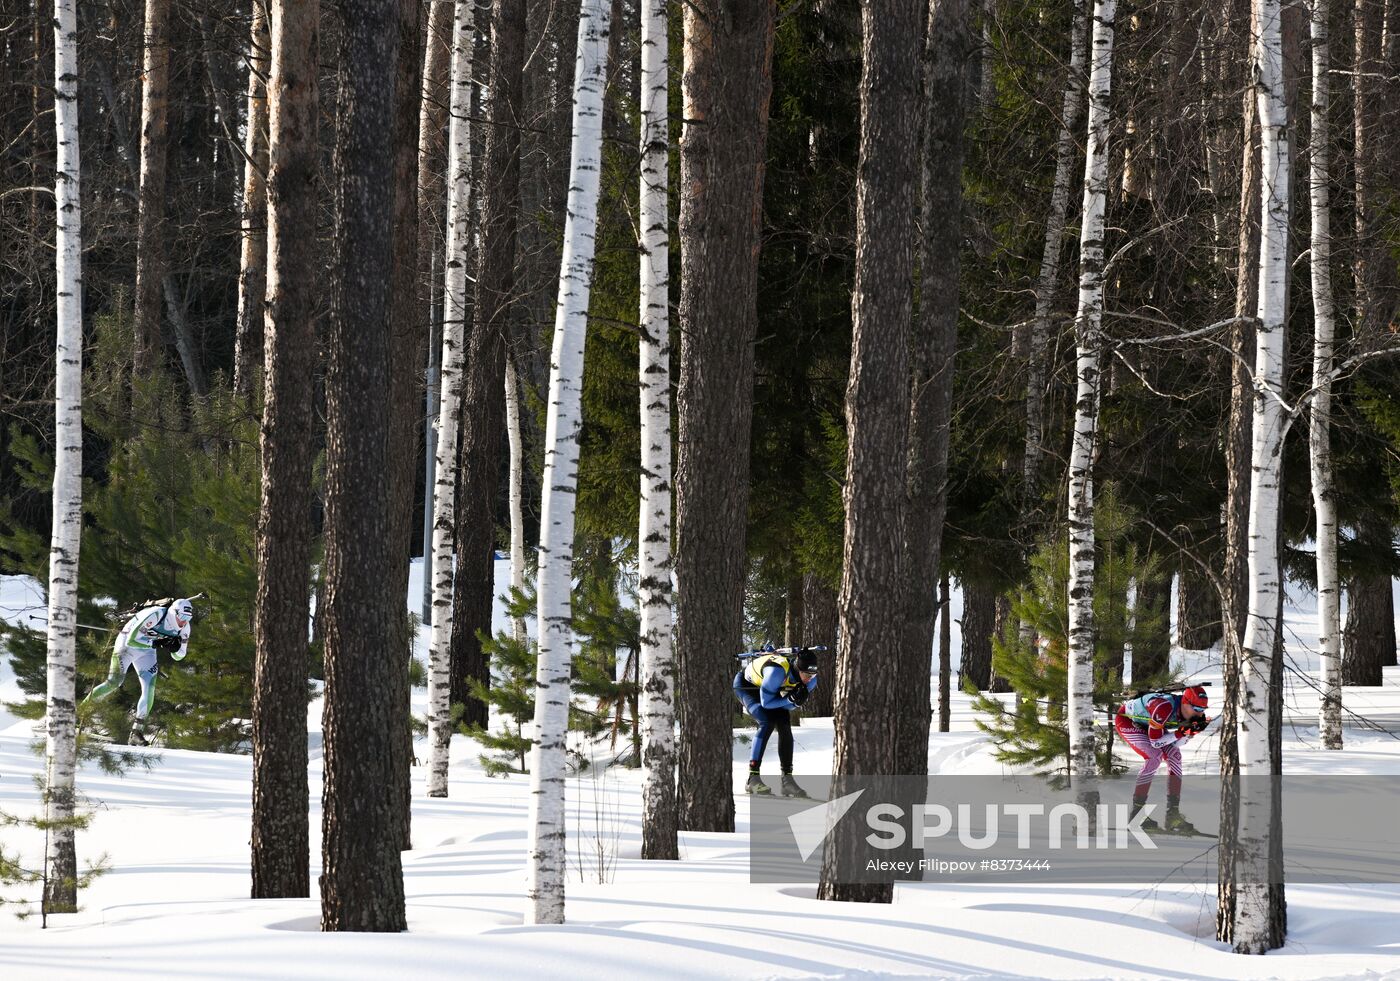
(1255, 929)
(61, 730)
(454, 305)
(868, 674)
(483, 395)
(1370, 631)
(654, 525)
(1320, 412)
(362, 882)
(1047, 283)
(820, 624)
(934, 343)
(945, 656)
(978, 626)
(1198, 623)
(1089, 343)
(409, 334)
(252, 268)
(281, 854)
(726, 83)
(150, 231)
(545, 875)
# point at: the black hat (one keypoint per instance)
(807, 661)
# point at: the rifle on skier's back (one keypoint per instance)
(165, 602)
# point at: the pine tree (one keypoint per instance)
(175, 516)
(608, 635)
(16, 873)
(510, 697)
(1033, 732)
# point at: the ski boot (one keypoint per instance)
(1147, 823)
(755, 784)
(137, 736)
(1175, 823)
(792, 789)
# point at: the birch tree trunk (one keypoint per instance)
(1255, 930)
(252, 267)
(1240, 424)
(61, 731)
(877, 413)
(1089, 343)
(432, 207)
(454, 305)
(1037, 368)
(515, 490)
(545, 883)
(281, 857)
(1320, 419)
(1368, 92)
(150, 265)
(654, 525)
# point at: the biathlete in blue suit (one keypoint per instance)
(771, 687)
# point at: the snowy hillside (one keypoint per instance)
(174, 904)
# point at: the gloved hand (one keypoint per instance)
(166, 645)
(1198, 724)
(799, 694)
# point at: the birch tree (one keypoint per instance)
(1319, 429)
(1048, 279)
(654, 525)
(61, 742)
(515, 490)
(1256, 930)
(433, 107)
(545, 885)
(155, 77)
(252, 267)
(1088, 327)
(459, 171)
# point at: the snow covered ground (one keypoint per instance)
(174, 904)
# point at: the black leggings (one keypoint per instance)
(768, 720)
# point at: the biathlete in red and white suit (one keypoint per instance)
(1155, 725)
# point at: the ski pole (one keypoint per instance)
(85, 626)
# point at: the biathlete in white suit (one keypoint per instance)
(156, 628)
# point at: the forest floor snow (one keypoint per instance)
(174, 904)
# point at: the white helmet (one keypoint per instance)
(182, 610)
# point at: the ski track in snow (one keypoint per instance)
(174, 903)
